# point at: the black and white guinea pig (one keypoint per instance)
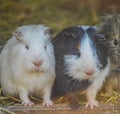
(82, 63)
(27, 64)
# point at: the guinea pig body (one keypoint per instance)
(112, 81)
(27, 64)
(81, 62)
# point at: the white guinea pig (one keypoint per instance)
(27, 64)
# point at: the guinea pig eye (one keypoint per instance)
(45, 47)
(78, 53)
(115, 42)
(27, 47)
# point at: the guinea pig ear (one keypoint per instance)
(49, 31)
(69, 35)
(106, 17)
(100, 37)
(18, 35)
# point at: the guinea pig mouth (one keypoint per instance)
(37, 73)
(37, 70)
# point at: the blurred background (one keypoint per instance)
(56, 14)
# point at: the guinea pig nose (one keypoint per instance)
(37, 63)
(89, 72)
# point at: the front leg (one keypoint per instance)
(92, 91)
(91, 98)
(23, 94)
(73, 100)
(46, 96)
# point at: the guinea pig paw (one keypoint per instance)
(29, 103)
(92, 104)
(47, 103)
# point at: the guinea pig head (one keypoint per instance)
(81, 58)
(34, 48)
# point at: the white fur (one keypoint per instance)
(88, 61)
(19, 76)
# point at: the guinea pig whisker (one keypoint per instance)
(73, 85)
(69, 81)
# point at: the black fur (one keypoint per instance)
(100, 45)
